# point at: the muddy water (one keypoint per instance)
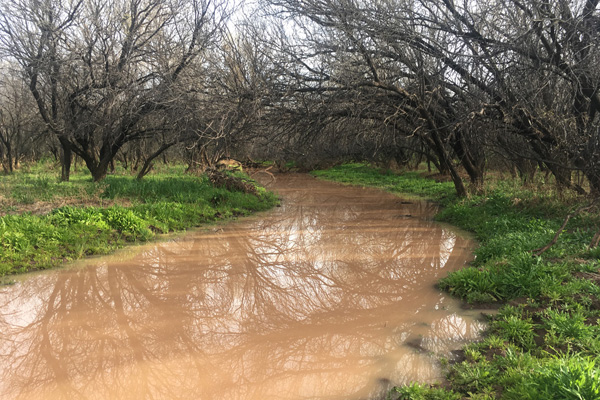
(328, 297)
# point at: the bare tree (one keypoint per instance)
(102, 72)
(446, 71)
(19, 123)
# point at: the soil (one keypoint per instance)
(8, 207)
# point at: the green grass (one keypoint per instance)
(123, 210)
(545, 341)
(408, 183)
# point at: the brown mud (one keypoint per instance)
(329, 296)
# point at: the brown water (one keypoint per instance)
(328, 297)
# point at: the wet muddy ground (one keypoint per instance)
(329, 296)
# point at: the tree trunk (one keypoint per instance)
(473, 166)
(444, 159)
(9, 156)
(459, 186)
(148, 163)
(3, 161)
(101, 170)
(446, 163)
(66, 157)
(98, 169)
(6, 159)
(594, 179)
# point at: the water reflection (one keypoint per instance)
(324, 297)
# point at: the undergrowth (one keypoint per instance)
(124, 210)
(544, 343)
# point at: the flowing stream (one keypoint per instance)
(330, 296)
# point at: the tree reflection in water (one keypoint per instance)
(314, 300)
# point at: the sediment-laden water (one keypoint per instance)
(330, 296)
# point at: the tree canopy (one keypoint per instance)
(466, 86)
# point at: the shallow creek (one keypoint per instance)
(330, 296)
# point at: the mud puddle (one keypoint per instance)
(329, 296)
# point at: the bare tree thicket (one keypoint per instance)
(106, 73)
(230, 105)
(469, 81)
(20, 125)
(460, 85)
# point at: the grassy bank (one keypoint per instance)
(44, 223)
(545, 341)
